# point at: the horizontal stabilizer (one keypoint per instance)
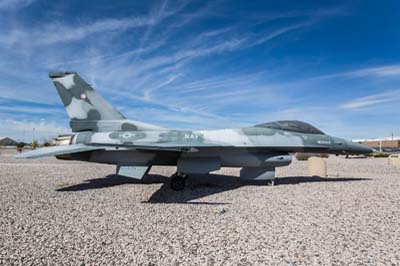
(57, 150)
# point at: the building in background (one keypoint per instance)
(382, 144)
(5, 141)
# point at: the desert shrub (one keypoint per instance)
(20, 145)
(34, 144)
(47, 144)
(378, 155)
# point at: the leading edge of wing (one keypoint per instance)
(57, 150)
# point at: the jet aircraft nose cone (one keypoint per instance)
(357, 148)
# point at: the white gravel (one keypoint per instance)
(69, 213)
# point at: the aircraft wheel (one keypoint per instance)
(177, 182)
(271, 182)
(184, 176)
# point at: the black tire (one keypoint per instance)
(177, 183)
(271, 182)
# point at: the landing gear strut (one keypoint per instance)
(271, 182)
(178, 181)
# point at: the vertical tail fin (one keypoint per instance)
(84, 105)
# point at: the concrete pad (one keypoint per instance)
(394, 161)
(317, 167)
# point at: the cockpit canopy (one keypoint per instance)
(292, 125)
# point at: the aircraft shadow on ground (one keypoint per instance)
(198, 186)
(114, 180)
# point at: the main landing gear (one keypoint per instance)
(178, 181)
(271, 182)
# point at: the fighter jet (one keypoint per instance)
(104, 135)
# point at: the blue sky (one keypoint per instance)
(198, 65)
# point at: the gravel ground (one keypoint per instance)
(71, 213)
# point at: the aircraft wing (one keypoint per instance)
(161, 148)
(174, 147)
(57, 150)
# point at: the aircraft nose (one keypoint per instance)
(357, 148)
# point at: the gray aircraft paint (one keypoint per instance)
(87, 109)
(104, 135)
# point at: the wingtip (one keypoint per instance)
(54, 75)
(19, 156)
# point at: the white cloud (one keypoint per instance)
(29, 94)
(15, 4)
(26, 130)
(94, 60)
(373, 100)
(386, 71)
(318, 13)
(381, 71)
(30, 110)
(278, 32)
(59, 32)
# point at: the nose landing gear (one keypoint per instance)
(178, 181)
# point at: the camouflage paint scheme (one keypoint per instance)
(104, 135)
